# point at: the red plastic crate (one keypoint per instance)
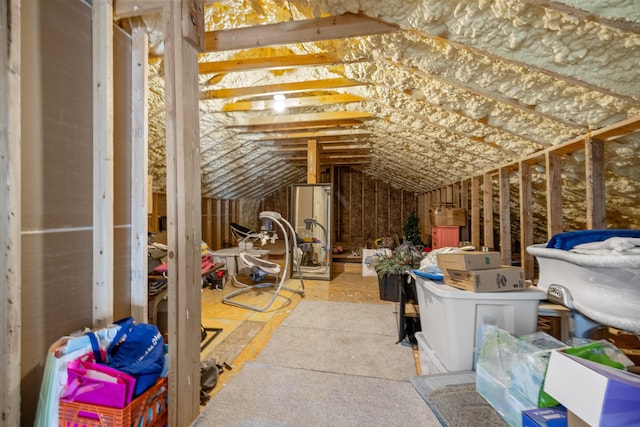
(147, 410)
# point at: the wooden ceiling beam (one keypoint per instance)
(320, 124)
(308, 118)
(304, 101)
(269, 63)
(291, 32)
(304, 136)
(281, 88)
(130, 8)
(303, 142)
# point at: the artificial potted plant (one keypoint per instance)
(392, 270)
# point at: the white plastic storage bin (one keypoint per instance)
(451, 318)
(429, 363)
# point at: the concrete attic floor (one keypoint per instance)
(246, 332)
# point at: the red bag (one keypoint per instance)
(98, 384)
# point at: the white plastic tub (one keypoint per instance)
(604, 288)
(451, 318)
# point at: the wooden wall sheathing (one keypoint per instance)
(342, 197)
(356, 201)
(122, 175)
(382, 209)
(369, 209)
(56, 183)
(395, 221)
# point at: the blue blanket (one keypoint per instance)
(568, 240)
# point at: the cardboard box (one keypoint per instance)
(448, 216)
(545, 417)
(597, 394)
(456, 216)
(438, 216)
(574, 421)
(492, 280)
(469, 261)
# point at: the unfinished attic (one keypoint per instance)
(121, 119)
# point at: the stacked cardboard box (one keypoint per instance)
(448, 216)
(480, 272)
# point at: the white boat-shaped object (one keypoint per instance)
(604, 288)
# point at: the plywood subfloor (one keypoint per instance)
(246, 332)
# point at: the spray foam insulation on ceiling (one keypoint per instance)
(462, 87)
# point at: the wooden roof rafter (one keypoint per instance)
(291, 32)
(271, 63)
(280, 88)
(292, 102)
(328, 133)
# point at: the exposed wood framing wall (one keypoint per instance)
(483, 197)
(10, 269)
(363, 209)
(217, 216)
(184, 38)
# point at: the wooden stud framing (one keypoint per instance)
(10, 225)
(526, 219)
(594, 169)
(139, 171)
(449, 194)
(475, 211)
(487, 210)
(218, 241)
(505, 215)
(464, 204)
(184, 211)
(103, 186)
(313, 161)
(554, 194)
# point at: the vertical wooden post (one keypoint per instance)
(313, 161)
(487, 206)
(594, 170)
(505, 216)
(184, 22)
(10, 224)
(526, 219)
(464, 204)
(554, 194)
(218, 242)
(475, 211)
(103, 186)
(139, 171)
(448, 194)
